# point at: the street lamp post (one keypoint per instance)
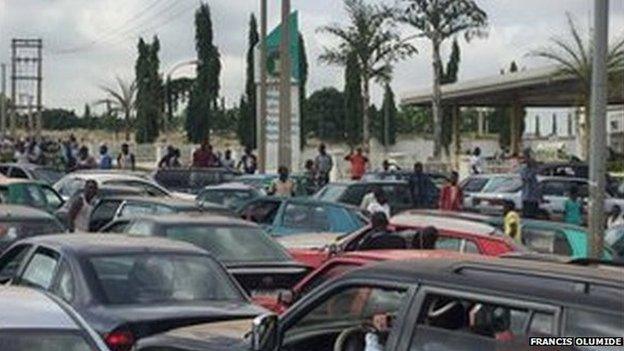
(261, 132)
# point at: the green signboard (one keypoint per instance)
(273, 44)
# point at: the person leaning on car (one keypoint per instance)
(80, 207)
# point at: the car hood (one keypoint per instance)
(219, 336)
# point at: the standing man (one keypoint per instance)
(228, 162)
(451, 196)
(106, 161)
(421, 187)
(324, 165)
(476, 163)
(358, 163)
(81, 206)
(531, 192)
(126, 159)
(249, 161)
(204, 157)
(282, 186)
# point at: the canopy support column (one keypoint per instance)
(456, 136)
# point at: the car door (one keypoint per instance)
(459, 319)
(331, 318)
(103, 213)
(54, 201)
(12, 260)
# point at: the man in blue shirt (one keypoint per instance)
(422, 188)
(531, 191)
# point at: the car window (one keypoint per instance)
(448, 243)
(44, 340)
(397, 195)
(349, 307)
(549, 241)
(11, 260)
(136, 209)
(330, 272)
(229, 198)
(331, 192)
(18, 173)
(474, 185)
(64, 287)
(28, 195)
(4, 170)
(117, 227)
(70, 186)
(52, 198)
(470, 247)
(141, 228)
(353, 195)
(304, 216)
(554, 188)
(447, 323)
(162, 209)
(262, 212)
(105, 211)
(39, 271)
(588, 323)
(150, 189)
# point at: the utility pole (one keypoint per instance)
(597, 166)
(261, 129)
(3, 101)
(39, 90)
(285, 110)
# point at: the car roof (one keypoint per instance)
(493, 175)
(22, 212)
(413, 218)
(10, 181)
(202, 218)
(32, 309)
(158, 200)
(388, 255)
(230, 186)
(105, 176)
(588, 286)
(367, 182)
(93, 244)
(562, 178)
(307, 200)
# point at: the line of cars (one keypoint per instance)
(203, 279)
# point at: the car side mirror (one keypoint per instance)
(286, 297)
(264, 332)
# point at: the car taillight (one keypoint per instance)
(119, 340)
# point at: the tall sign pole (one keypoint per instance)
(3, 101)
(285, 109)
(597, 166)
(262, 100)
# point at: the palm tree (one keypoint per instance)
(439, 20)
(122, 99)
(574, 56)
(372, 36)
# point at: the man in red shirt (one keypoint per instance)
(204, 157)
(451, 196)
(358, 164)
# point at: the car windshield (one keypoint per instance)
(509, 185)
(496, 183)
(231, 243)
(146, 278)
(29, 227)
(43, 340)
(48, 175)
(331, 192)
(614, 238)
(229, 198)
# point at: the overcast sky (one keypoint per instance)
(87, 43)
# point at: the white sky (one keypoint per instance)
(71, 80)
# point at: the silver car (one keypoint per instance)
(31, 320)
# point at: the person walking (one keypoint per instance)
(323, 164)
(573, 208)
(126, 159)
(81, 206)
(106, 161)
(531, 192)
(451, 196)
(283, 186)
(249, 161)
(358, 163)
(476, 162)
(511, 221)
(422, 188)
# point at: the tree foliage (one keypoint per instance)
(246, 129)
(574, 56)
(438, 20)
(374, 41)
(150, 92)
(354, 108)
(303, 66)
(325, 115)
(203, 102)
(387, 113)
(449, 75)
(121, 99)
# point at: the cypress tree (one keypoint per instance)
(449, 75)
(150, 99)
(247, 120)
(353, 101)
(303, 66)
(388, 112)
(203, 101)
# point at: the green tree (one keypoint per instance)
(246, 130)
(574, 56)
(150, 93)
(374, 40)
(439, 20)
(325, 115)
(303, 66)
(449, 75)
(354, 108)
(388, 114)
(414, 119)
(203, 102)
(121, 99)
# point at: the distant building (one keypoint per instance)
(615, 128)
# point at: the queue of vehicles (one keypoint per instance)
(237, 270)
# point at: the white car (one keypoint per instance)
(555, 191)
(71, 183)
(31, 320)
(483, 184)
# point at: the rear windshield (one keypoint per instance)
(39, 340)
(32, 227)
(47, 175)
(332, 193)
(136, 279)
(231, 243)
(229, 198)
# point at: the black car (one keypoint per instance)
(259, 263)
(456, 303)
(46, 174)
(125, 287)
(192, 180)
(19, 222)
(106, 209)
(397, 192)
(438, 179)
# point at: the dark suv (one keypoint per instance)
(351, 193)
(458, 304)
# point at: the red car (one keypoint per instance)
(340, 265)
(455, 234)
